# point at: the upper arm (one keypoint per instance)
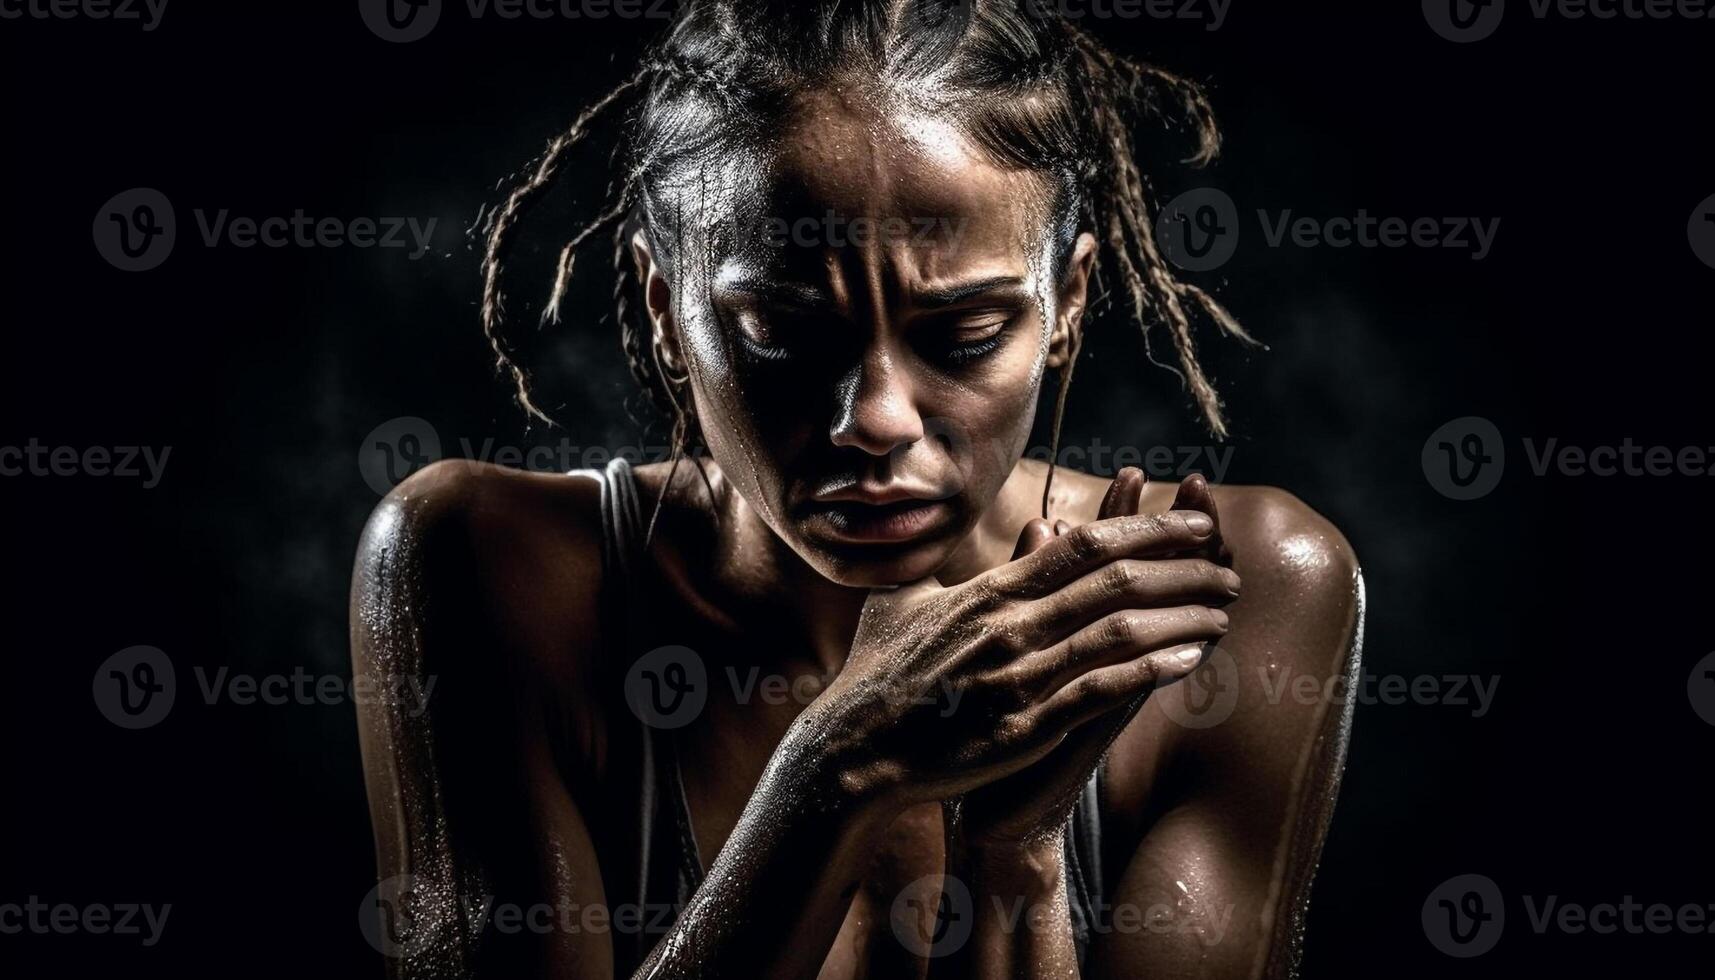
(1247, 755)
(472, 793)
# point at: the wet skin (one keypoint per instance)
(869, 520)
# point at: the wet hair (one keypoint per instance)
(1030, 88)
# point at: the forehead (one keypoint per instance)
(842, 154)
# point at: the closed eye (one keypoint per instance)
(968, 337)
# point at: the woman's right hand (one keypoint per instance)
(946, 689)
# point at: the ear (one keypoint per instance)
(658, 303)
(1074, 296)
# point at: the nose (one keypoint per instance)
(876, 409)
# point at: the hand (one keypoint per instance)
(1031, 807)
(946, 689)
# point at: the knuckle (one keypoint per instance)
(1009, 636)
(1123, 576)
(1012, 729)
(1146, 674)
(1158, 526)
(1122, 629)
(1086, 542)
(1091, 687)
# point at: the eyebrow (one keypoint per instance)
(809, 297)
(944, 296)
(775, 291)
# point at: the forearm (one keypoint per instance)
(1020, 915)
(776, 894)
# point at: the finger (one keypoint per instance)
(1090, 695)
(1123, 494)
(1129, 583)
(1117, 638)
(1036, 533)
(1084, 746)
(1090, 546)
(1061, 527)
(1196, 494)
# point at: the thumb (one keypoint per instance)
(1037, 532)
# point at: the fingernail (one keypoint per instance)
(1231, 580)
(1189, 657)
(1200, 525)
(1220, 617)
(1061, 527)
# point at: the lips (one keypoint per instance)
(892, 522)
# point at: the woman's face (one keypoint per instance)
(867, 336)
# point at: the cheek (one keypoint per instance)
(746, 422)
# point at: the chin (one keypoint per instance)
(878, 566)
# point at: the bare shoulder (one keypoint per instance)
(1295, 563)
(474, 556)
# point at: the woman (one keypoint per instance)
(862, 693)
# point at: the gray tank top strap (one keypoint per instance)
(1084, 890)
(669, 869)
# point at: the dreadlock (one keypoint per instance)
(1032, 88)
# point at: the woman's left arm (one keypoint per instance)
(1246, 775)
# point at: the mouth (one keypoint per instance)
(867, 523)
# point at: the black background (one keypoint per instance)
(264, 369)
